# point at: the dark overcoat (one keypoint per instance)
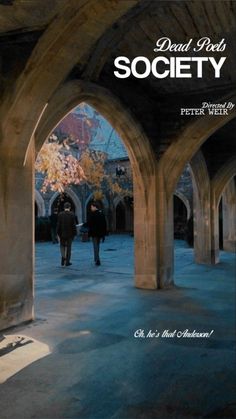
(66, 225)
(97, 224)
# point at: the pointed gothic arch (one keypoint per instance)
(74, 198)
(185, 201)
(40, 203)
(188, 143)
(142, 159)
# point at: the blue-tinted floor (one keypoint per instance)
(89, 316)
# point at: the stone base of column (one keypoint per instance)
(148, 282)
(15, 312)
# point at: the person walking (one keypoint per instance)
(97, 229)
(66, 231)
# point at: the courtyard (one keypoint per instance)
(139, 337)
(88, 316)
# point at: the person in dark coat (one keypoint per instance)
(97, 229)
(66, 231)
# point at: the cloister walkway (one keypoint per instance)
(88, 363)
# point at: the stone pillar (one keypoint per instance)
(16, 240)
(165, 234)
(153, 231)
(205, 214)
(229, 217)
(214, 224)
(206, 226)
(201, 222)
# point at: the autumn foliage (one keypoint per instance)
(59, 169)
(65, 158)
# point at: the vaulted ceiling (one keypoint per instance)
(134, 33)
(180, 21)
(22, 22)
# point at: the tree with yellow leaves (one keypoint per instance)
(61, 169)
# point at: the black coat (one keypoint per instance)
(97, 224)
(66, 225)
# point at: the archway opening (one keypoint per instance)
(120, 217)
(227, 219)
(180, 218)
(141, 155)
(211, 167)
(220, 218)
(60, 200)
(129, 208)
(90, 139)
(183, 208)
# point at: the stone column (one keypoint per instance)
(16, 240)
(206, 225)
(153, 231)
(205, 214)
(201, 222)
(214, 230)
(229, 217)
(165, 234)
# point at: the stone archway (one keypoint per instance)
(218, 184)
(166, 172)
(122, 215)
(170, 167)
(142, 160)
(81, 24)
(182, 213)
(222, 177)
(75, 199)
(228, 216)
(206, 198)
(57, 52)
(188, 143)
(185, 201)
(119, 215)
(40, 203)
(201, 209)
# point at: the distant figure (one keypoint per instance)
(53, 225)
(66, 230)
(97, 229)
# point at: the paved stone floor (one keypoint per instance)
(94, 366)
